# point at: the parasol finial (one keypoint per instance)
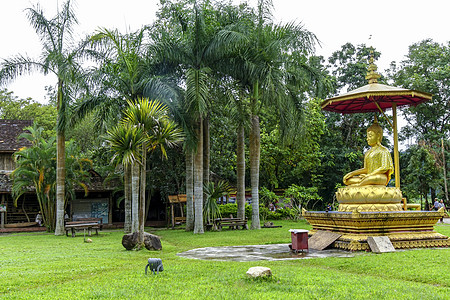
(372, 75)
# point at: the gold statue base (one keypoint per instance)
(405, 229)
(369, 198)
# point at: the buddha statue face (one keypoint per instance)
(374, 135)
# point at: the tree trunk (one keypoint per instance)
(127, 191)
(142, 196)
(240, 168)
(189, 190)
(254, 170)
(206, 153)
(60, 164)
(135, 197)
(198, 181)
(148, 200)
(444, 167)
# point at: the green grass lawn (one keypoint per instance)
(43, 266)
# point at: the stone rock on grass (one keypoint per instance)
(151, 241)
(129, 241)
(259, 272)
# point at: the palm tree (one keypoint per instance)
(151, 117)
(36, 167)
(261, 71)
(55, 35)
(200, 47)
(125, 141)
(126, 72)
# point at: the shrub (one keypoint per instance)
(231, 208)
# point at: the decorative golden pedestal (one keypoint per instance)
(369, 198)
(406, 229)
(377, 211)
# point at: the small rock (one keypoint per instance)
(258, 272)
(268, 224)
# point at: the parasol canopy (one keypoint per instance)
(375, 97)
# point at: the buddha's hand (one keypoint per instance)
(348, 175)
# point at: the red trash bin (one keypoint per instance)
(299, 239)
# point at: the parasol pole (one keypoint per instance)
(396, 157)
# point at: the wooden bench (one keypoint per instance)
(83, 224)
(233, 223)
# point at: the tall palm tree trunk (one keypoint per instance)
(60, 164)
(142, 195)
(127, 190)
(60, 185)
(240, 166)
(206, 153)
(189, 190)
(198, 181)
(135, 197)
(254, 169)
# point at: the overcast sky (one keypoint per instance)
(394, 25)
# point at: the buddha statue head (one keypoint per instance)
(374, 134)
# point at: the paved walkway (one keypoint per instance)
(258, 252)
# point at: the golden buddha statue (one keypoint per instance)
(366, 188)
(378, 166)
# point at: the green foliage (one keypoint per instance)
(214, 191)
(13, 108)
(267, 196)
(285, 213)
(231, 209)
(426, 68)
(36, 168)
(285, 164)
(349, 65)
(421, 172)
(300, 196)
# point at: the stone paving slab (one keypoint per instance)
(270, 252)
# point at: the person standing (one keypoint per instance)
(436, 204)
(39, 219)
(441, 204)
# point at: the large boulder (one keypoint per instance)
(259, 272)
(130, 240)
(151, 241)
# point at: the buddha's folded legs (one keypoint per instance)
(377, 179)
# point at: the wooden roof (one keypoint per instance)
(9, 131)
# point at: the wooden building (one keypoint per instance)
(100, 202)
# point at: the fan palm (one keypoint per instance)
(61, 57)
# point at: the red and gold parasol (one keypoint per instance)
(375, 97)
